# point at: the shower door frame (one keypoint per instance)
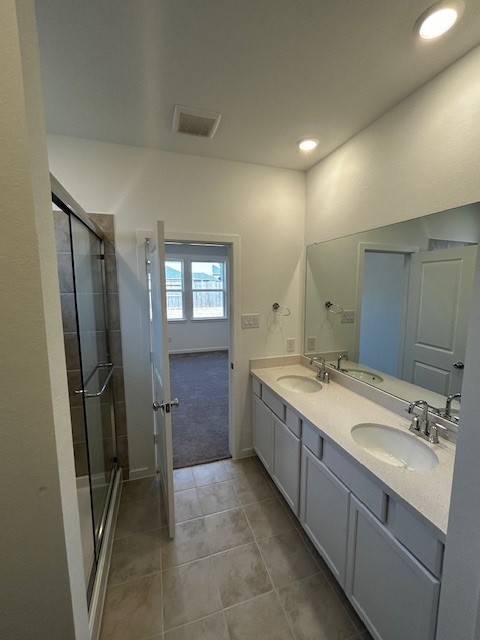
(68, 205)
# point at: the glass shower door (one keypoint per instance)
(96, 369)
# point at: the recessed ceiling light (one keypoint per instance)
(307, 144)
(438, 19)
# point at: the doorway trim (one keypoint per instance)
(363, 248)
(234, 300)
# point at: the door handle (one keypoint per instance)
(458, 365)
(165, 406)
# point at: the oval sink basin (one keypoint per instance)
(364, 375)
(395, 447)
(300, 384)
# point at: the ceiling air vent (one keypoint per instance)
(195, 122)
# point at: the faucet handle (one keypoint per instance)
(410, 407)
(433, 432)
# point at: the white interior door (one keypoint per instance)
(162, 403)
(440, 293)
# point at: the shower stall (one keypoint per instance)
(80, 246)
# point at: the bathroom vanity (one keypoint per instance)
(377, 512)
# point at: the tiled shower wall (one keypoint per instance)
(64, 258)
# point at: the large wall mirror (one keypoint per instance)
(396, 300)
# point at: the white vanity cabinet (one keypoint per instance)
(324, 513)
(395, 594)
(385, 556)
(286, 466)
(263, 433)
(277, 446)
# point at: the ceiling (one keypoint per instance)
(277, 70)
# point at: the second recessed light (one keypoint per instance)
(308, 144)
(439, 18)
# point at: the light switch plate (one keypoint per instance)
(250, 320)
(348, 316)
(312, 344)
(290, 345)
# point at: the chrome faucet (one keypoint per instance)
(448, 404)
(421, 425)
(339, 361)
(322, 373)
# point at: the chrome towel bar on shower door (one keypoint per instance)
(101, 365)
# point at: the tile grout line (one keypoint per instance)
(220, 594)
(209, 614)
(270, 578)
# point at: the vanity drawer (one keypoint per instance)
(256, 387)
(364, 488)
(415, 536)
(311, 438)
(274, 403)
(293, 422)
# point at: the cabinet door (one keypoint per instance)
(263, 433)
(324, 513)
(286, 465)
(393, 593)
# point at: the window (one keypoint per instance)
(175, 289)
(208, 290)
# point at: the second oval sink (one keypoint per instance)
(300, 384)
(395, 447)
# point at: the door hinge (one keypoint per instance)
(231, 365)
(155, 438)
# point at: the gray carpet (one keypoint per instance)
(200, 424)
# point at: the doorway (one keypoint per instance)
(197, 292)
(205, 425)
(382, 311)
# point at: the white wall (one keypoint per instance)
(188, 336)
(264, 206)
(42, 582)
(420, 157)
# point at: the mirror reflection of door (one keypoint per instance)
(441, 284)
(414, 314)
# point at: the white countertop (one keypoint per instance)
(335, 410)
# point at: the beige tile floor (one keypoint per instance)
(240, 566)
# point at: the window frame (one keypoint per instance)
(184, 317)
(187, 284)
(223, 290)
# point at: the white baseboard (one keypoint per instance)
(141, 472)
(175, 352)
(101, 578)
(247, 453)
